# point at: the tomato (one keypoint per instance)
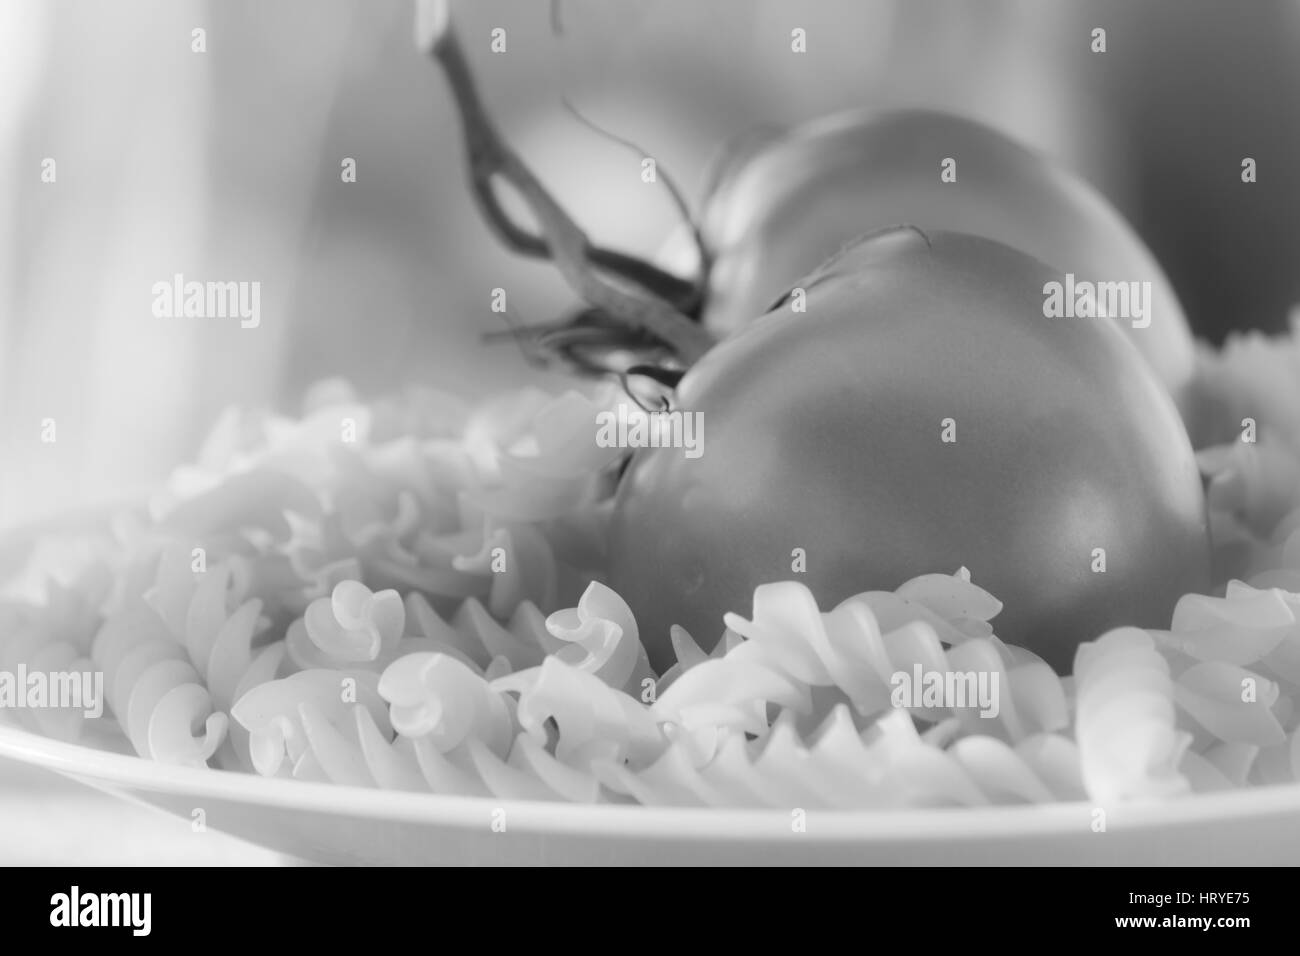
(789, 204)
(1070, 491)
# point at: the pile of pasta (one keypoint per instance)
(405, 593)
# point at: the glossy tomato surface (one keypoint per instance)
(789, 205)
(825, 431)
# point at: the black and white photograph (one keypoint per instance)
(651, 433)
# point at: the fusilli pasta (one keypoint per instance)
(406, 594)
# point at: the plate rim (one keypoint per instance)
(640, 822)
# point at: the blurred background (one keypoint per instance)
(225, 165)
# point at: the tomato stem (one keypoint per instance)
(602, 285)
(675, 194)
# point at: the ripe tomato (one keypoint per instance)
(788, 205)
(825, 432)
(1069, 490)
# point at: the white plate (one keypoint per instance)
(329, 823)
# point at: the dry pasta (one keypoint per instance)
(406, 594)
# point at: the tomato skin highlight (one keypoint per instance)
(791, 203)
(824, 431)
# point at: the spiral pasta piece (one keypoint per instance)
(1232, 703)
(1251, 375)
(48, 638)
(31, 648)
(457, 732)
(594, 720)
(1243, 627)
(791, 647)
(1258, 480)
(303, 725)
(355, 624)
(1129, 746)
(436, 697)
(600, 637)
(154, 690)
